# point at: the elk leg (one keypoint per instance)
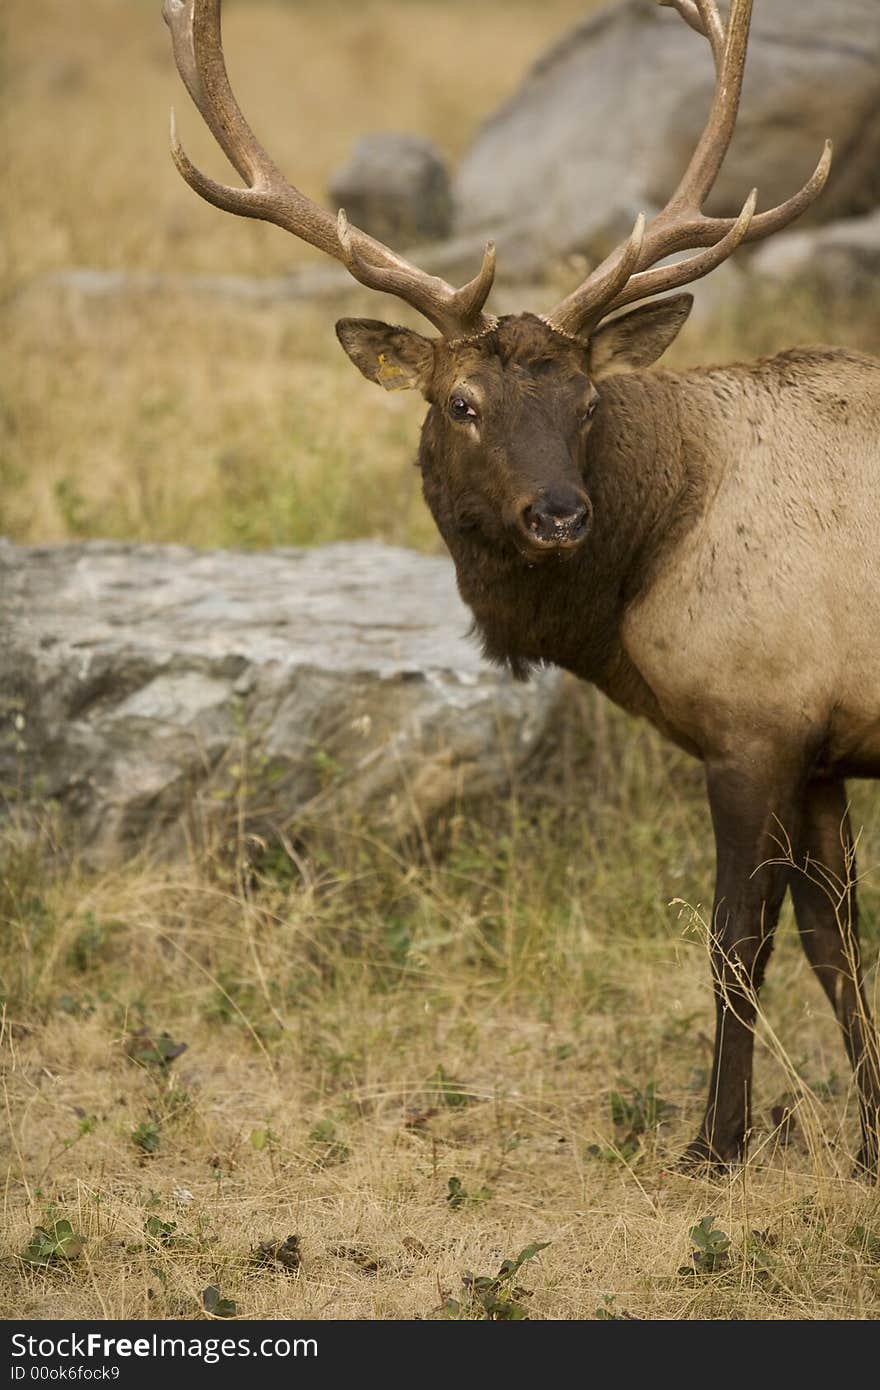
(824, 893)
(751, 813)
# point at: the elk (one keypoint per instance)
(700, 545)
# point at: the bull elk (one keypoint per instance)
(701, 545)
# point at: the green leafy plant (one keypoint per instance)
(633, 1116)
(333, 1149)
(640, 1111)
(148, 1050)
(91, 945)
(214, 1303)
(286, 1253)
(607, 1312)
(53, 1244)
(87, 1125)
(614, 1153)
(166, 1234)
(76, 1006)
(147, 1136)
(265, 1141)
(758, 1250)
(492, 1297)
(458, 1196)
(711, 1247)
(73, 506)
(264, 1138)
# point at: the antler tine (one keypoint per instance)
(681, 225)
(463, 307)
(672, 277)
(713, 27)
(703, 16)
(605, 282)
(247, 201)
(198, 53)
(471, 297)
(764, 224)
(702, 171)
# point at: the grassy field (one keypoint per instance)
(419, 1064)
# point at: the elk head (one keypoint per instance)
(510, 410)
(511, 400)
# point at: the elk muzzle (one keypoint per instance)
(554, 522)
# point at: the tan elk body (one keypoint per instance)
(775, 586)
(704, 546)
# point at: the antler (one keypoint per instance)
(681, 225)
(198, 53)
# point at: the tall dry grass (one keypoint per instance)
(528, 1014)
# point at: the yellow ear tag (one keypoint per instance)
(390, 375)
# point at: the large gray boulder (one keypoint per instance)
(152, 691)
(396, 188)
(841, 260)
(605, 122)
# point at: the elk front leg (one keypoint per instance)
(752, 810)
(824, 891)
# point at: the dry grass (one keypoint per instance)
(359, 1037)
(537, 963)
(94, 181)
(158, 418)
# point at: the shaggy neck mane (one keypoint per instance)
(645, 473)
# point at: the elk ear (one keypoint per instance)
(395, 358)
(638, 338)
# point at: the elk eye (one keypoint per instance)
(460, 409)
(589, 410)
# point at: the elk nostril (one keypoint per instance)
(531, 520)
(551, 524)
(575, 520)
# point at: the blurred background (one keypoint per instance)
(170, 416)
(171, 372)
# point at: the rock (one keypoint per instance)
(396, 188)
(457, 260)
(841, 260)
(152, 690)
(605, 122)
